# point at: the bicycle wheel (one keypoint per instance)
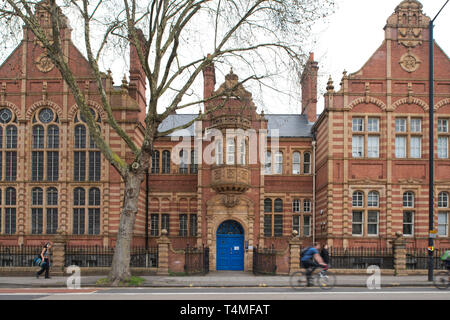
(326, 281)
(297, 280)
(441, 280)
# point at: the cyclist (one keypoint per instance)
(311, 260)
(446, 259)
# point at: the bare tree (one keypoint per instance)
(174, 41)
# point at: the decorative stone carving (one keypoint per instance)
(410, 37)
(44, 63)
(230, 200)
(410, 62)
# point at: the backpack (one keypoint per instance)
(303, 252)
(37, 261)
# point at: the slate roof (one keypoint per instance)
(289, 125)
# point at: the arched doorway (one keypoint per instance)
(230, 246)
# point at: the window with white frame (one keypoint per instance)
(408, 223)
(296, 205)
(357, 146)
(415, 150)
(408, 138)
(443, 139)
(416, 125)
(373, 125)
(442, 125)
(358, 124)
(306, 226)
(306, 205)
(278, 163)
(400, 125)
(443, 214)
(296, 163)
(408, 199)
(357, 222)
(400, 147)
(373, 146)
(231, 151)
(372, 223)
(307, 163)
(358, 199)
(373, 199)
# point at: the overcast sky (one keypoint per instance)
(355, 31)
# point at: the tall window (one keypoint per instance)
(94, 211)
(37, 216)
(278, 163)
(155, 162)
(45, 145)
(8, 145)
(155, 224)
(231, 151)
(443, 214)
(307, 163)
(183, 161)
(268, 163)
(194, 162)
(242, 151)
(166, 162)
(296, 163)
(408, 137)
(273, 219)
(79, 203)
(365, 215)
(366, 132)
(87, 156)
(52, 210)
(408, 214)
(10, 211)
(183, 227)
(443, 138)
(219, 152)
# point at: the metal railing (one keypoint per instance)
(98, 256)
(417, 259)
(196, 260)
(361, 258)
(264, 260)
(18, 256)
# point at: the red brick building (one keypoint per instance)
(352, 177)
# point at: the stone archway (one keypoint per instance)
(217, 212)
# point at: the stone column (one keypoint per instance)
(163, 254)
(58, 254)
(294, 253)
(399, 250)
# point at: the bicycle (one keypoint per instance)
(324, 279)
(441, 280)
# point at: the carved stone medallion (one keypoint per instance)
(409, 62)
(44, 63)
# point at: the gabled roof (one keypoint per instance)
(289, 125)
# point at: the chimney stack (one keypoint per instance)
(137, 85)
(309, 89)
(209, 80)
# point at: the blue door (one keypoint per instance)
(230, 246)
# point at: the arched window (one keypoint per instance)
(8, 145)
(296, 163)
(52, 210)
(307, 163)
(183, 161)
(373, 199)
(79, 202)
(358, 199)
(87, 157)
(94, 211)
(279, 163)
(278, 205)
(155, 162)
(268, 163)
(267, 205)
(166, 161)
(10, 211)
(45, 145)
(37, 215)
(194, 162)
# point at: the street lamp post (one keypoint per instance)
(431, 164)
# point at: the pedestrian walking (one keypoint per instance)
(45, 257)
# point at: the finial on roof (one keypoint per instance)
(330, 86)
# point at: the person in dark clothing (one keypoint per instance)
(45, 256)
(324, 253)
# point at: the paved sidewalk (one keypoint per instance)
(216, 279)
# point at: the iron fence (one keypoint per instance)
(361, 258)
(417, 259)
(98, 256)
(196, 260)
(18, 256)
(264, 260)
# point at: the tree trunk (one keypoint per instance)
(120, 269)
